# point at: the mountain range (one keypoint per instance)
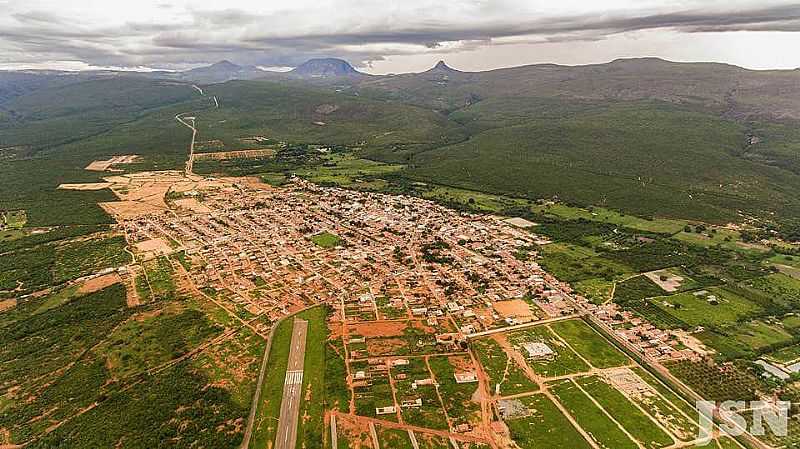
(705, 141)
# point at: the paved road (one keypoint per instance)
(292, 388)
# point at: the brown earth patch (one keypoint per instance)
(86, 186)
(514, 308)
(99, 283)
(240, 154)
(7, 304)
(156, 246)
(385, 346)
(193, 205)
(127, 210)
(356, 433)
(461, 363)
(378, 329)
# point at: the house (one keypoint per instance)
(389, 409)
(538, 350)
(408, 403)
(466, 377)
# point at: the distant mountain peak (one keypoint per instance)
(325, 67)
(220, 72)
(225, 64)
(441, 66)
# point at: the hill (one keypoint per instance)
(220, 72)
(325, 68)
(644, 136)
(725, 89)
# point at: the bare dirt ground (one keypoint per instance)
(378, 329)
(240, 154)
(143, 193)
(105, 165)
(692, 342)
(7, 304)
(99, 283)
(514, 308)
(670, 284)
(149, 249)
(519, 222)
(127, 210)
(86, 186)
(193, 205)
(385, 346)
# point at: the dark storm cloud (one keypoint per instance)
(782, 18)
(205, 36)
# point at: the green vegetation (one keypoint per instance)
(346, 170)
(394, 438)
(82, 361)
(152, 339)
(156, 282)
(314, 380)
(603, 215)
(545, 428)
(716, 382)
(635, 421)
(326, 240)
(48, 347)
(314, 402)
(86, 257)
(589, 344)
(576, 263)
(592, 419)
(33, 268)
(714, 306)
(788, 354)
(457, 398)
(33, 306)
(431, 413)
(500, 369)
(565, 361)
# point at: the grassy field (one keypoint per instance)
(457, 397)
(746, 340)
(789, 354)
(597, 291)
(345, 170)
(545, 428)
(640, 425)
(578, 263)
(593, 420)
(566, 361)
(698, 310)
(658, 225)
(326, 240)
(593, 347)
(500, 369)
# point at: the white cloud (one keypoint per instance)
(391, 35)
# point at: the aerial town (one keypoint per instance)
(267, 251)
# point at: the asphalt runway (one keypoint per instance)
(286, 437)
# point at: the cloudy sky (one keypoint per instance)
(394, 36)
